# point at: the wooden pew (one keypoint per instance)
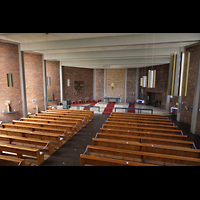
(47, 121)
(186, 144)
(88, 112)
(30, 134)
(67, 128)
(140, 118)
(77, 115)
(139, 115)
(144, 134)
(99, 161)
(37, 129)
(139, 156)
(179, 151)
(146, 129)
(12, 138)
(21, 150)
(78, 121)
(141, 124)
(84, 119)
(11, 161)
(136, 120)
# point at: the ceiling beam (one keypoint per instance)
(111, 41)
(122, 62)
(112, 54)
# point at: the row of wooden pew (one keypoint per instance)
(26, 141)
(130, 139)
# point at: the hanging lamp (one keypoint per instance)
(178, 74)
(152, 73)
(151, 78)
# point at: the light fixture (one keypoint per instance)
(151, 78)
(141, 81)
(144, 82)
(48, 81)
(178, 74)
(68, 82)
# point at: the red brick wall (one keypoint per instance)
(53, 71)
(77, 74)
(100, 84)
(186, 115)
(161, 83)
(131, 85)
(9, 63)
(34, 81)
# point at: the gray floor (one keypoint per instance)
(69, 153)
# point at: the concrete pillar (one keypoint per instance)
(94, 84)
(45, 83)
(137, 84)
(61, 83)
(22, 80)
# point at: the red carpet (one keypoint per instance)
(131, 105)
(108, 109)
(91, 104)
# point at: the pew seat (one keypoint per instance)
(144, 157)
(11, 161)
(21, 150)
(35, 134)
(100, 161)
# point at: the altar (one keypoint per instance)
(115, 98)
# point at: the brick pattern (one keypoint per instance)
(9, 63)
(131, 85)
(34, 81)
(161, 83)
(116, 76)
(99, 84)
(186, 115)
(77, 74)
(53, 71)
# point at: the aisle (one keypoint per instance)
(69, 153)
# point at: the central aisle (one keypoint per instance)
(69, 153)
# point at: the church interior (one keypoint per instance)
(100, 99)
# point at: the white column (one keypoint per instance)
(22, 80)
(44, 82)
(61, 83)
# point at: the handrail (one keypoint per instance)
(139, 109)
(88, 107)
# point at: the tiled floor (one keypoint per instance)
(102, 105)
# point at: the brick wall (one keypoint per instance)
(100, 84)
(53, 71)
(116, 76)
(131, 85)
(34, 81)
(9, 63)
(77, 74)
(161, 83)
(186, 115)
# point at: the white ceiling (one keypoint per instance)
(104, 50)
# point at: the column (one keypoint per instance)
(61, 83)
(94, 84)
(104, 82)
(137, 83)
(45, 83)
(125, 85)
(196, 100)
(22, 80)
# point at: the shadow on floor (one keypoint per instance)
(186, 131)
